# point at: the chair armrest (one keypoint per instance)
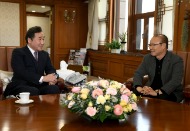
(1, 87)
(64, 86)
(129, 83)
(60, 83)
(187, 91)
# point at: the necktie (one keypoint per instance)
(36, 55)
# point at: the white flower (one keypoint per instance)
(71, 103)
(101, 100)
(114, 99)
(70, 96)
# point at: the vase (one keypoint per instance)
(123, 48)
(117, 51)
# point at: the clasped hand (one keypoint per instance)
(146, 90)
(50, 78)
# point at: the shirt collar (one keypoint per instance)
(31, 50)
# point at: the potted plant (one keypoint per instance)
(114, 46)
(122, 37)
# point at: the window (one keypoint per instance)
(102, 16)
(139, 18)
(135, 17)
(142, 22)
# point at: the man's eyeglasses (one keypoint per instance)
(153, 45)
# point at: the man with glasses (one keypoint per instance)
(164, 70)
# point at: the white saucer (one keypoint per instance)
(19, 102)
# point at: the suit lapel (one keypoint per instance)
(30, 55)
(166, 63)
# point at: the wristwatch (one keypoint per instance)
(57, 76)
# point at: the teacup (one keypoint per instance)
(23, 110)
(23, 97)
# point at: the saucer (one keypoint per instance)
(19, 102)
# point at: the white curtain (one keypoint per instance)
(93, 27)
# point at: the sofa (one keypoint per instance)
(6, 70)
(186, 80)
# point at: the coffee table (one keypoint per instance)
(46, 114)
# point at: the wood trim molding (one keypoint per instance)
(111, 20)
(22, 23)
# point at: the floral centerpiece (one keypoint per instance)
(102, 99)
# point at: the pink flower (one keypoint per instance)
(134, 106)
(97, 92)
(125, 90)
(125, 98)
(103, 83)
(91, 111)
(76, 89)
(118, 110)
(111, 91)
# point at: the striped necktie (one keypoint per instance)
(36, 55)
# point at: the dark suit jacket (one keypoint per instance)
(28, 71)
(171, 73)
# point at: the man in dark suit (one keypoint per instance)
(33, 71)
(165, 72)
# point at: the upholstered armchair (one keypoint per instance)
(5, 78)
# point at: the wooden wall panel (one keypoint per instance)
(45, 2)
(68, 32)
(116, 68)
(180, 13)
(99, 65)
(59, 58)
(129, 71)
(113, 66)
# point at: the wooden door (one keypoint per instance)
(69, 34)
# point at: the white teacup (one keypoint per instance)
(23, 110)
(23, 97)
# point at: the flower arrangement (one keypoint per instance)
(102, 99)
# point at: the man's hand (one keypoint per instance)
(149, 91)
(51, 78)
(52, 83)
(140, 89)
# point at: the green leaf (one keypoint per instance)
(85, 68)
(103, 117)
(113, 45)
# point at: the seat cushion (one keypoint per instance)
(5, 77)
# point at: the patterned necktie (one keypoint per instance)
(36, 55)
